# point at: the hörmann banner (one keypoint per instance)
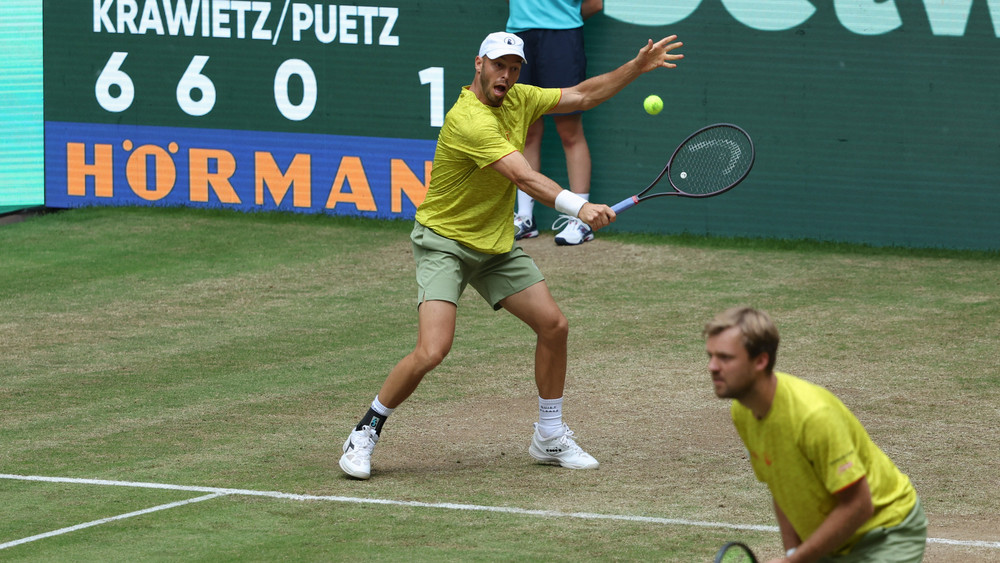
(875, 121)
(249, 105)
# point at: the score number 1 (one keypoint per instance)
(435, 77)
(193, 79)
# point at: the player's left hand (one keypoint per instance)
(657, 55)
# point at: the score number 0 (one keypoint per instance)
(193, 79)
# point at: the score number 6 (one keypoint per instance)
(112, 75)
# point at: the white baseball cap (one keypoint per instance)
(502, 43)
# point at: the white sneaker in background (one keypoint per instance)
(575, 231)
(524, 228)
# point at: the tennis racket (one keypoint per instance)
(712, 160)
(735, 552)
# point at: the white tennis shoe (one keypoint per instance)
(561, 449)
(524, 228)
(575, 231)
(357, 458)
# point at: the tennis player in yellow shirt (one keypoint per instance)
(837, 496)
(463, 235)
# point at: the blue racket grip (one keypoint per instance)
(624, 204)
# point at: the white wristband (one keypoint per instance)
(569, 203)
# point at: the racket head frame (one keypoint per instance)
(720, 557)
(642, 196)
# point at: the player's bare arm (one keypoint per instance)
(598, 89)
(544, 190)
(789, 537)
(591, 7)
(854, 508)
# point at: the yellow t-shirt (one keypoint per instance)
(810, 446)
(467, 200)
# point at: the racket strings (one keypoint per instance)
(711, 161)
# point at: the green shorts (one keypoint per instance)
(904, 543)
(445, 267)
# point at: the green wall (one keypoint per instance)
(888, 139)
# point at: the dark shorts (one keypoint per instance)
(556, 58)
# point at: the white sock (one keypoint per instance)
(525, 205)
(380, 408)
(549, 417)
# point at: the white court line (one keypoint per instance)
(106, 520)
(448, 506)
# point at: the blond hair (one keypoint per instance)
(759, 332)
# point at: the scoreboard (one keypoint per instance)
(253, 105)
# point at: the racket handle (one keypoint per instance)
(624, 204)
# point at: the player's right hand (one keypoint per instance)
(596, 215)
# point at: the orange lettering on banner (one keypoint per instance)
(166, 173)
(298, 177)
(353, 173)
(201, 178)
(404, 181)
(77, 170)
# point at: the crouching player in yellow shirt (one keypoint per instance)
(837, 496)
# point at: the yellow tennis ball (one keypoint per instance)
(653, 104)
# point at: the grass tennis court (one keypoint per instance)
(209, 364)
